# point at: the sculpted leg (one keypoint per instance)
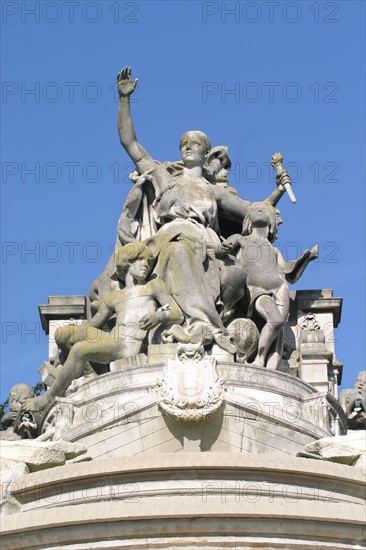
(270, 312)
(181, 266)
(100, 347)
(232, 281)
(182, 270)
(283, 304)
(68, 335)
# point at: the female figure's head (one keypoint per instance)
(194, 146)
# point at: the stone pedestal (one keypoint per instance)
(227, 479)
(263, 411)
(188, 501)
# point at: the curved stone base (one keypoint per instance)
(176, 501)
(263, 411)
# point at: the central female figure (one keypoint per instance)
(185, 211)
(185, 237)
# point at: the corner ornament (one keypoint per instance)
(191, 389)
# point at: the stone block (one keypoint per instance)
(10, 470)
(128, 362)
(38, 455)
(220, 354)
(161, 352)
(345, 449)
(314, 373)
(48, 373)
(189, 500)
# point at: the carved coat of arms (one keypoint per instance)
(191, 389)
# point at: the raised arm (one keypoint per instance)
(126, 130)
(295, 268)
(168, 312)
(281, 179)
(230, 206)
(276, 195)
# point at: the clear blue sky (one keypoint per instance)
(258, 77)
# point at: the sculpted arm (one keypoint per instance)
(282, 180)
(231, 207)
(276, 195)
(234, 208)
(174, 314)
(295, 268)
(171, 314)
(104, 312)
(126, 130)
(232, 242)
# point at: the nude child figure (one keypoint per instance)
(267, 274)
(139, 307)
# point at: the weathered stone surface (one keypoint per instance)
(39, 455)
(360, 462)
(140, 306)
(24, 456)
(193, 423)
(183, 271)
(117, 414)
(345, 449)
(10, 469)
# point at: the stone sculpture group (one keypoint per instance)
(193, 265)
(191, 375)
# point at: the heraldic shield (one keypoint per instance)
(191, 389)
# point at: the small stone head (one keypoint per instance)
(190, 351)
(360, 383)
(18, 394)
(262, 214)
(218, 164)
(135, 258)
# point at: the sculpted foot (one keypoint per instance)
(179, 334)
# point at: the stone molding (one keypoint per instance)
(174, 501)
(110, 412)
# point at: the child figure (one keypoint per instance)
(137, 311)
(266, 275)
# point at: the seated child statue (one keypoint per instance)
(267, 274)
(139, 307)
